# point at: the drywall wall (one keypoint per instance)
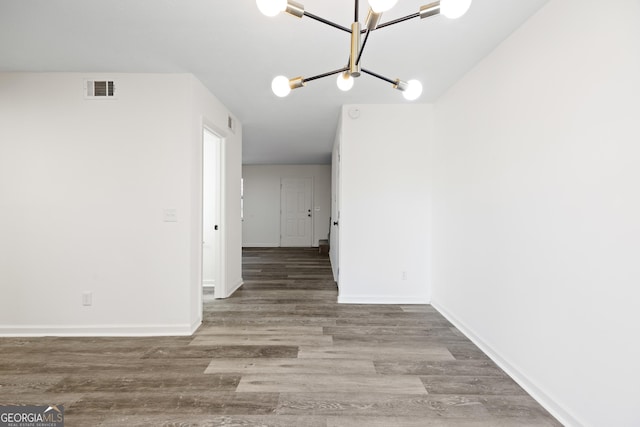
(261, 224)
(536, 207)
(208, 111)
(384, 199)
(102, 196)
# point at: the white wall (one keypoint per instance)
(83, 187)
(384, 199)
(261, 226)
(536, 209)
(208, 111)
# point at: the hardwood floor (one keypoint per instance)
(280, 352)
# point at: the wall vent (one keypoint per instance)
(99, 89)
(231, 124)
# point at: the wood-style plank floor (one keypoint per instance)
(280, 352)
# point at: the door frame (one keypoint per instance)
(334, 226)
(220, 290)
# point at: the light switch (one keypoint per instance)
(170, 215)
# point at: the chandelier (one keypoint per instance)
(411, 89)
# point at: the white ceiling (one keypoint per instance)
(236, 51)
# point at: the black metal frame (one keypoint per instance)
(367, 32)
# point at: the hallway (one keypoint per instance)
(280, 352)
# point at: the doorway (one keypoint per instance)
(212, 277)
(296, 216)
(334, 226)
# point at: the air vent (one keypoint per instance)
(99, 89)
(231, 124)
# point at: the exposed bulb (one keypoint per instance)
(454, 9)
(271, 7)
(345, 81)
(413, 90)
(280, 86)
(380, 6)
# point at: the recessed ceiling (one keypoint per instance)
(236, 52)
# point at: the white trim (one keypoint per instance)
(261, 245)
(206, 125)
(100, 330)
(376, 299)
(223, 215)
(517, 374)
(208, 283)
(235, 287)
(195, 325)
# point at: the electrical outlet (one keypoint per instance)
(87, 299)
(404, 275)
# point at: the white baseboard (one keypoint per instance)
(208, 283)
(375, 299)
(195, 325)
(236, 286)
(514, 372)
(99, 330)
(276, 245)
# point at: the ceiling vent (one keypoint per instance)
(99, 89)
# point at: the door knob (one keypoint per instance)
(335, 222)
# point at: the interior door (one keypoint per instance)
(296, 216)
(211, 206)
(334, 244)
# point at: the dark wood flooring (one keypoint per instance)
(280, 352)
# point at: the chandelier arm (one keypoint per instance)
(327, 74)
(399, 20)
(364, 43)
(371, 73)
(326, 21)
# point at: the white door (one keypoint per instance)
(334, 244)
(211, 204)
(296, 228)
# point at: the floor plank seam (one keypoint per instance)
(281, 352)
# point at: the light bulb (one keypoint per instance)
(271, 7)
(280, 86)
(345, 81)
(413, 90)
(380, 6)
(454, 9)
